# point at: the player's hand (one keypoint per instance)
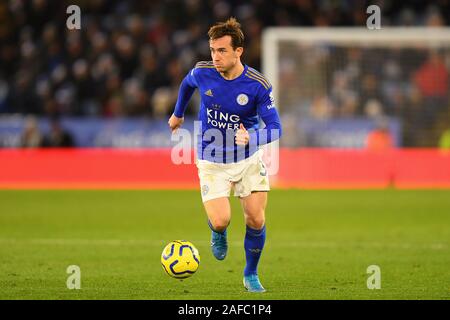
(175, 122)
(242, 137)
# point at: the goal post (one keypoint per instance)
(336, 73)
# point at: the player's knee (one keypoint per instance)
(256, 222)
(219, 224)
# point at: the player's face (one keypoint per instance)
(223, 55)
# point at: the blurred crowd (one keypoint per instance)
(332, 81)
(129, 57)
(56, 137)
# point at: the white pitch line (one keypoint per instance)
(279, 244)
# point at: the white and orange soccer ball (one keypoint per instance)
(180, 259)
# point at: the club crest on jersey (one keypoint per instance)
(209, 93)
(205, 189)
(242, 99)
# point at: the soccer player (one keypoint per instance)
(234, 97)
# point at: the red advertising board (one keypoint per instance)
(153, 168)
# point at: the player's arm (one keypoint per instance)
(269, 115)
(187, 88)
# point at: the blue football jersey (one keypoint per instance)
(224, 105)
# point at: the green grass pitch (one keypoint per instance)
(319, 245)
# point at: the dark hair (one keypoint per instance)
(230, 28)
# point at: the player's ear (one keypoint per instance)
(239, 51)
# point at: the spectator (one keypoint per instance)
(57, 137)
(31, 136)
(432, 80)
(373, 109)
(380, 138)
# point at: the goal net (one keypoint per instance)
(334, 86)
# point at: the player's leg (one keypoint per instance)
(219, 214)
(254, 206)
(215, 192)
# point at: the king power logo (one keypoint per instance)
(222, 120)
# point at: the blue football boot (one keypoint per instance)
(252, 284)
(219, 245)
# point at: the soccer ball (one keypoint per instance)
(180, 259)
